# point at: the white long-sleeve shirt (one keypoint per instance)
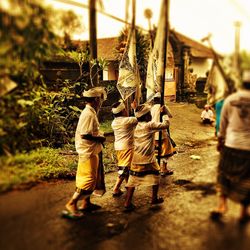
(235, 120)
(144, 147)
(155, 113)
(124, 132)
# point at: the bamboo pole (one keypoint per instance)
(166, 35)
(93, 40)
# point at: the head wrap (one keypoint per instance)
(119, 108)
(142, 110)
(96, 92)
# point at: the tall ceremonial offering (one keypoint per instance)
(216, 86)
(129, 79)
(156, 69)
(157, 64)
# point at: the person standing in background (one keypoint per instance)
(234, 147)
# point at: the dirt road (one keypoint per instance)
(31, 219)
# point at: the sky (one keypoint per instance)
(193, 18)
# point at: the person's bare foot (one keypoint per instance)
(71, 207)
(217, 213)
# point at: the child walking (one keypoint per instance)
(123, 127)
(144, 169)
(167, 148)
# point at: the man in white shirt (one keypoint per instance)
(207, 115)
(144, 168)
(234, 146)
(88, 142)
(167, 149)
(123, 127)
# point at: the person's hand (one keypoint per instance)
(163, 109)
(134, 104)
(220, 144)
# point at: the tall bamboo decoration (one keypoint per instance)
(164, 65)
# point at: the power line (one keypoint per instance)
(85, 6)
(240, 8)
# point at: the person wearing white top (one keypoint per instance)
(207, 115)
(88, 142)
(234, 146)
(167, 149)
(144, 169)
(123, 127)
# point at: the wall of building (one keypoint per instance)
(200, 66)
(110, 73)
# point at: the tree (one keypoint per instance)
(67, 24)
(26, 38)
(245, 59)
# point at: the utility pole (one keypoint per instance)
(164, 66)
(237, 25)
(93, 41)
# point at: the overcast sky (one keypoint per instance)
(194, 18)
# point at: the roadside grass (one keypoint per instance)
(26, 169)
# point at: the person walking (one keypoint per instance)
(123, 127)
(234, 146)
(88, 142)
(144, 168)
(167, 148)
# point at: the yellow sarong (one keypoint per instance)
(87, 171)
(124, 157)
(167, 148)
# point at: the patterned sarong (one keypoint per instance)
(234, 175)
(144, 174)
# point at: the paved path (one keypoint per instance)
(31, 219)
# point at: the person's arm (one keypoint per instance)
(99, 139)
(223, 126)
(157, 126)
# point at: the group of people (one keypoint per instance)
(135, 144)
(136, 139)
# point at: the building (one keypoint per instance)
(188, 62)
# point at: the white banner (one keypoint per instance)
(129, 78)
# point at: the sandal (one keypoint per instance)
(245, 219)
(73, 215)
(169, 172)
(90, 208)
(118, 194)
(157, 201)
(215, 215)
(129, 208)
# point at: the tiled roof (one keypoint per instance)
(106, 47)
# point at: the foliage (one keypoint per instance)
(40, 118)
(26, 38)
(245, 59)
(65, 24)
(34, 114)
